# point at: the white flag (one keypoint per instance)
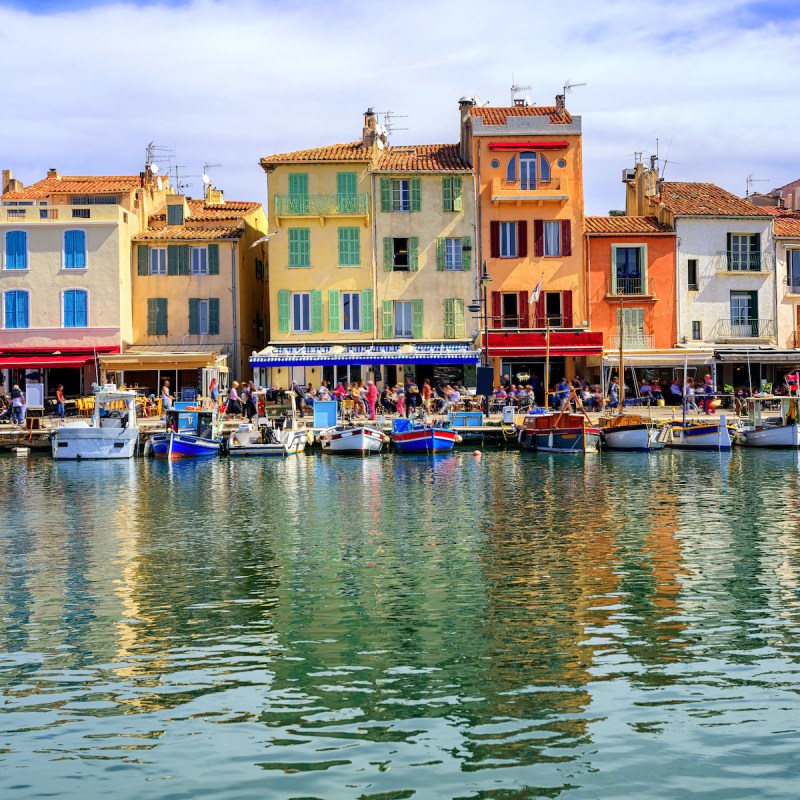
(536, 292)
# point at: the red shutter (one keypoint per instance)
(497, 308)
(494, 239)
(522, 239)
(566, 237)
(538, 237)
(523, 308)
(566, 309)
(540, 321)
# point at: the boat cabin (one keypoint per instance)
(199, 423)
(789, 407)
(114, 409)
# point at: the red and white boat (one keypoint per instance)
(345, 440)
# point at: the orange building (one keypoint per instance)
(529, 167)
(630, 268)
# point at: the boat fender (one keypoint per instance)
(148, 449)
(386, 439)
(459, 439)
(310, 437)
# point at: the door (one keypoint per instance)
(527, 171)
(744, 316)
(510, 310)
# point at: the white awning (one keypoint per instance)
(660, 358)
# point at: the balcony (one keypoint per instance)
(625, 287)
(748, 330)
(632, 341)
(322, 206)
(738, 263)
(72, 215)
(554, 190)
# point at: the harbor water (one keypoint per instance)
(514, 626)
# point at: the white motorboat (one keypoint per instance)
(698, 435)
(265, 440)
(777, 431)
(111, 432)
(358, 440)
(630, 432)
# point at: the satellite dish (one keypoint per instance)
(154, 169)
(159, 183)
(206, 179)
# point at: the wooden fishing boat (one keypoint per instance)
(359, 440)
(418, 436)
(561, 432)
(776, 431)
(629, 432)
(698, 435)
(189, 433)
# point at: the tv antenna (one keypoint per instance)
(516, 88)
(158, 158)
(569, 86)
(751, 179)
(389, 118)
(206, 179)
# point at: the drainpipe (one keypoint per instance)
(235, 309)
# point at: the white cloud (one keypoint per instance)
(231, 81)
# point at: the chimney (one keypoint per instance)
(369, 133)
(215, 196)
(464, 105)
(560, 106)
(10, 183)
(52, 174)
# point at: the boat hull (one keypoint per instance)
(173, 446)
(426, 440)
(351, 441)
(700, 437)
(292, 443)
(784, 436)
(87, 443)
(632, 437)
(561, 440)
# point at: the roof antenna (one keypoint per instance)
(751, 179)
(666, 160)
(389, 123)
(515, 88)
(206, 179)
(569, 86)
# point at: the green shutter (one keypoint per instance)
(730, 254)
(449, 320)
(413, 254)
(388, 253)
(459, 323)
(161, 316)
(172, 259)
(447, 194)
(441, 254)
(754, 311)
(416, 319)
(184, 259)
(333, 311)
(346, 183)
(367, 314)
(316, 311)
(152, 312)
(213, 259)
(213, 316)
(614, 272)
(299, 247)
(283, 311)
(386, 319)
(194, 316)
(349, 247)
(298, 184)
(386, 194)
(143, 253)
(355, 247)
(458, 203)
(344, 248)
(466, 253)
(416, 194)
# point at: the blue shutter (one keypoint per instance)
(16, 309)
(16, 250)
(81, 316)
(79, 251)
(69, 309)
(22, 309)
(68, 250)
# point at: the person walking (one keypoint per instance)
(60, 410)
(213, 392)
(412, 397)
(234, 405)
(372, 398)
(17, 405)
(708, 400)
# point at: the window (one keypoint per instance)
(401, 195)
(15, 307)
(81, 213)
(95, 200)
(346, 194)
(454, 323)
(744, 252)
(510, 310)
(553, 309)
(301, 312)
(76, 303)
(299, 247)
(156, 316)
(175, 215)
(508, 240)
(697, 330)
(403, 320)
(793, 271)
(16, 250)
(400, 255)
(349, 247)
(199, 256)
(691, 274)
(452, 254)
(744, 314)
(74, 249)
(259, 269)
(203, 316)
(351, 311)
(158, 260)
(633, 330)
(452, 199)
(629, 270)
(552, 238)
(527, 170)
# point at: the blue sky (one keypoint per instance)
(228, 82)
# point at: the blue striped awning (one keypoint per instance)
(342, 356)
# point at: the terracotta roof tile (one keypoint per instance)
(706, 200)
(200, 210)
(188, 234)
(351, 151)
(420, 157)
(624, 225)
(787, 225)
(496, 115)
(76, 184)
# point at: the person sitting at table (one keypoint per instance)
(646, 390)
(387, 402)
(501, 395)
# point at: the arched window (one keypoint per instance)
(527, 171)
(511, 171)
(544, 168)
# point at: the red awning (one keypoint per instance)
(532, 344)
(528, 145)
(42, 362)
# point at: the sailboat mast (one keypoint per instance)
(547, 364)
(621, 353)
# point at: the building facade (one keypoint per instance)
(65, 278)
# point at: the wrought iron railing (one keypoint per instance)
(729, 261)
(530, 185)
(321, 205)
(26, 214)
(743, 329)
(632, 341)
(626, 286)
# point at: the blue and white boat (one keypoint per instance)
(698, 435)
(190, 433)
(418, 436)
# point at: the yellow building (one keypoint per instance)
(199, 290)
(65, 279)
(371, 266)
